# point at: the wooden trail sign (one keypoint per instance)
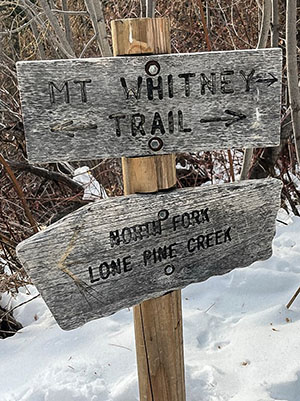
(131, 106)
(118, 252)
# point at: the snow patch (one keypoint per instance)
(93, 190)
(240, 341)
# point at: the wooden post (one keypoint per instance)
(158, 322)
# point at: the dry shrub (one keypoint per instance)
(230, 24)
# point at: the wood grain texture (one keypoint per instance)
(157, 322)
(136, 36)
(148, 174)
(199, 233)
(161, 369)
(94, 108)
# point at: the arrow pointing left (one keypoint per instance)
(67, 126)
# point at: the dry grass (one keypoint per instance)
(230, 25)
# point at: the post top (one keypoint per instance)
(141, 36)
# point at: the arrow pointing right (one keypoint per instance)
(269, 81)
(236, 116)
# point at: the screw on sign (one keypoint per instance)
(152, 68)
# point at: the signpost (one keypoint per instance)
(122, 251)
(158, 104)
(158, 323)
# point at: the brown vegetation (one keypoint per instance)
(34, 196)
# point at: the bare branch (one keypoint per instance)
(150, 8)
(66, 18)
(7, 108)
(87, 45)
(65, 45)
(94, 8)
(262, 43)
(227, 24)
(265, 25)
(42, 172)
(35, 11)
(204, 24)
(20, 193)
(248, 154)
(275, 24)
(293, 298)
(69, 12)
(17, 306)
(20, 28)
(292, 70)
(143, 8)
(35, 32)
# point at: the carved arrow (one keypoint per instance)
(228, 120)
(269, 81)
(70, 126)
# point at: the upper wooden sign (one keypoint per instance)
(118, 252)
(131, 106)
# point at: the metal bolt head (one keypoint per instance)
(163, 214)
(169, 269)
(155, 143)
(152, 68)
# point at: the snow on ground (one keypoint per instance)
(240, 341)
(93, 190)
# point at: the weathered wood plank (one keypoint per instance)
(131, 106)
(118, 252)
(160, 363)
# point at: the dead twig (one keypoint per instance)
(204, 25)
(150, 8)
(68, 30)
(17, 306)
(19, 192)
(292, 70)
(49, 175)
(262, 43)
(293, 298)
(94, 8)
(65, 45)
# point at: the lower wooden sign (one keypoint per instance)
(118, 252)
